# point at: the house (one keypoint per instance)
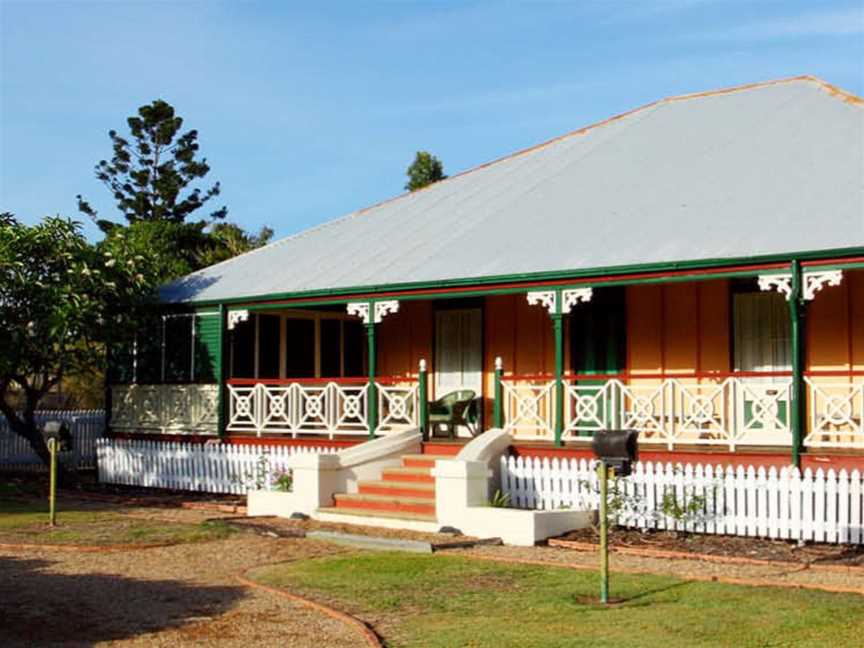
(692, 269)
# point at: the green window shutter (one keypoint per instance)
(208, 347)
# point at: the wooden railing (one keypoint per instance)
(729, 409)
(320, 406)
(835, 409)
(165, 409)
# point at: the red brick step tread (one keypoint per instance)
(408, 474)
(422, 460)
(385, 503)
(397, 489)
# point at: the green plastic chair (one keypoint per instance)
(452, 410)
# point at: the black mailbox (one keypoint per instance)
(618, 449)
(58, 431)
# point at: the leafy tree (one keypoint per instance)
(230, 240)
(425, 170)
(63, 301)
(150, 177)
(147, 176)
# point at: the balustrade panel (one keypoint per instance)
(836, 412)
(315, 407)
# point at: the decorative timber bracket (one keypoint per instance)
(379, 309)
(569, 298)
(237, 316)
(813, 281)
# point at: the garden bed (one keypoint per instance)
(724, 546)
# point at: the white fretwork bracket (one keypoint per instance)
(574, 296)
(237, 316)
(782, 283)
(361, 309)
(813, 282)
(379, 311)
(816, 280)
(545, 298)
(384, 308)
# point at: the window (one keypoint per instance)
(761, 332)
(300, 348)
(598, 333)
(354, 345)
(178, 349)
(243, 349)
(148, 352)
(268, 355)
(331, 348)
(175, 348)
(297, 345)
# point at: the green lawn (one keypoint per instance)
(454, 602)
(26, 521)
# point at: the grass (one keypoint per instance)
(447, 601)
(26, 521)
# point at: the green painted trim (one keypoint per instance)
(221, 414)
(506, 291)
(855, 265)
(576, 275)
(372, 393)
(423, 394)
(498, 407)
(797, 307)
(558, 330)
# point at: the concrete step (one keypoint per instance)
(423, 475)
(422, 460)
(386, 503)
(383, 519)
(397, 488)
(443, 448)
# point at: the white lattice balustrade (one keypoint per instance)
(165, 409)
(319, 408)
(836, 412)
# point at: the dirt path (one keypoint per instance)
(180, 595)
(790, 575)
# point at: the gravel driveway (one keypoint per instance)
(180, 595)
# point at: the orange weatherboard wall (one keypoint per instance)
(671, 328)
(677, 328)
(835, 326)
(406, 338)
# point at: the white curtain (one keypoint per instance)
(458, 351)
(761, 332)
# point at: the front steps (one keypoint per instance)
(404, 497)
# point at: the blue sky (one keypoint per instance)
(307, 111)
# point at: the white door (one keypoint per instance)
(458, 351)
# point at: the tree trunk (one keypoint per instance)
(25, 427)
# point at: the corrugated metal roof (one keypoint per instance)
(769, 168)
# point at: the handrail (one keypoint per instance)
(629, 375)
(354, 380)
(305, 381)
(839, 373)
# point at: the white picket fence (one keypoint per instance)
(208, 467)
(783, 504)
(86, 427)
